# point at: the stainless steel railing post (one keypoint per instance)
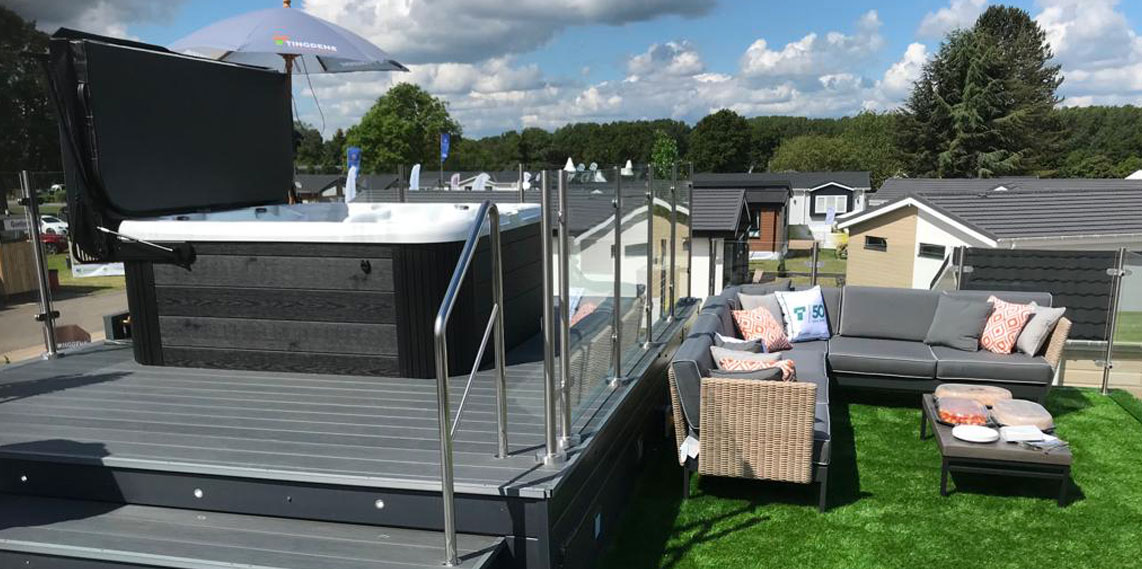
(551, 453)
(521, 194)
(567, 439)
(618, 378)
(814, 255)
(960, 267)
(46, 316)
(649, 343)
(500, 341)
(1117, 273)
(690, 232)
(673, 238)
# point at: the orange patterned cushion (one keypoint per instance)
(1004, 325)
(788, 368)
(759, 324)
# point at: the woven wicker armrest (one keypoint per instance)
(676, 408)
(1057, 342)
(757, 429)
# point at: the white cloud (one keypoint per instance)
(815, 55)
(107, 17)
(667, 80)
(892, 89)
(1100, 53)
(420, 31)
(898, 79)
(958, 14)
(1089, 33)
(671, 58)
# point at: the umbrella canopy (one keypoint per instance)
(272, 37)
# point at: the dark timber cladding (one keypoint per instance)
(337, 308)
(281, 455)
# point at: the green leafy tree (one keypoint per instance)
(310, 155)
(865, 142)
(769, 132)
(984, 106)
(664, 153)
(721, 143)
(29, 138)
(402, 127)
(333, 152)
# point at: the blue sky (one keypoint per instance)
(504, 65)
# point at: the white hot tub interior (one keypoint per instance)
(330, 223)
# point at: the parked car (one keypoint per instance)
(53, 224)
(54, 242)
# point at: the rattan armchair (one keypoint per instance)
(760, 430)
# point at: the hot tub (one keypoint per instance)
(327, 288)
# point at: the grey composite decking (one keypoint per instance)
(101, 407)
(34, 529)
(95, 426)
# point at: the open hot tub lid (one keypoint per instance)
(148, 132)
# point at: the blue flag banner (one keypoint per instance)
(353, 156)
(445, 141)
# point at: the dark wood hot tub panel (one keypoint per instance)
(358, 309)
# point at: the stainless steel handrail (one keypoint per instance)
(47, 315)
(488, 329)
(487, 212)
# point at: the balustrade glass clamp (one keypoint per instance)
(44, 316)
(551, 459)
(617, 379)
(569, 441)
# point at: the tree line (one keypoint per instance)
(985, 105)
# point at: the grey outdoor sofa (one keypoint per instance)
(781, 431)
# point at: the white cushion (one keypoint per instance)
(804, 313)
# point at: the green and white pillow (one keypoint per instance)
(805, 316)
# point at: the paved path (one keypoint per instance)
(22, 337)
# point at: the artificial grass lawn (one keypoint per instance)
(798, 262)
(886, 510)
(1129, 327)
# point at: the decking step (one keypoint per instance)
(51, 532)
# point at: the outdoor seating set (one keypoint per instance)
(740, 410)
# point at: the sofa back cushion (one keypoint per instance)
(706, 324)
(1014, 296)
(958, 322)
(760, 289)
(889, 313)
(692, 361)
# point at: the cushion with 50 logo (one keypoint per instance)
(805, 317)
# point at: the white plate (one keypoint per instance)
(975, 434)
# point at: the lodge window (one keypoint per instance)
(821, 204)
(929, 251)
(755, 224)
(875, 243)
(636, 250)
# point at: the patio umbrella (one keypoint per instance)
(288, 40)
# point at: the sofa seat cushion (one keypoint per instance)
(960, 366)
(874, 356)
(811, 365)
(822, 434)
